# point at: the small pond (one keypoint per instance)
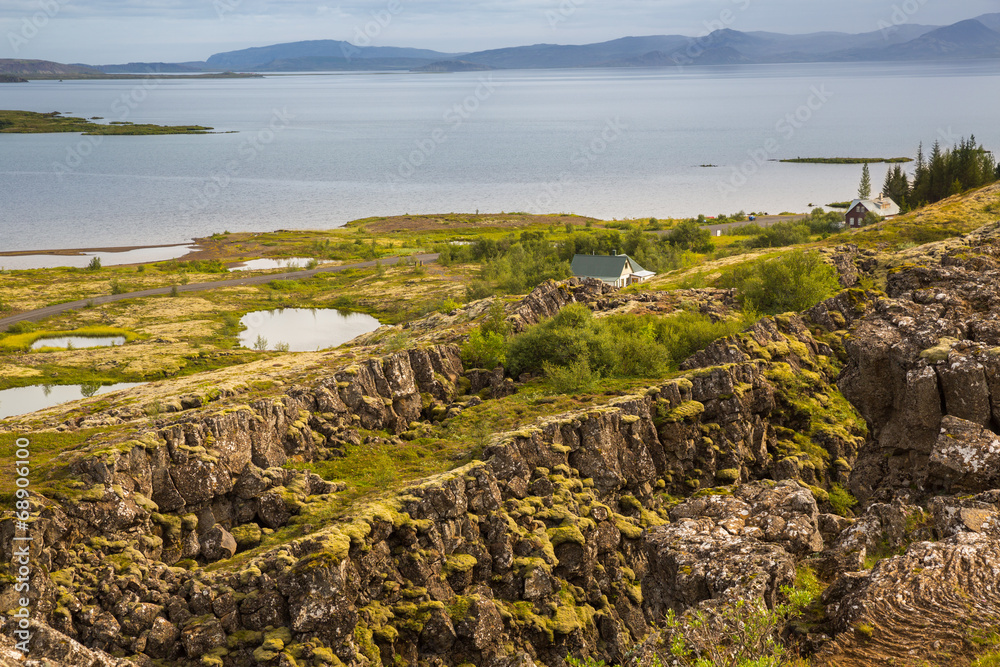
(291, 263)
(108, 258)
(22, 400)
(78, 342)
(303, 329)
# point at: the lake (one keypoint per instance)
(316, 151)
(22, 400)
(303, 329)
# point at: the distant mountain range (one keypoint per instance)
(28, 68)
(970, 39)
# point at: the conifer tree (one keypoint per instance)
(865, 189)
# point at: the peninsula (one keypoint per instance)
(30, 122)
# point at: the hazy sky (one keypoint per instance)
(116, 31)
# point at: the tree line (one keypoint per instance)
(943, 173)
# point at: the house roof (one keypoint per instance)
(604, 267)
(880, 204)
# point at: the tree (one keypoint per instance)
(865, 189)
(690, 236)
(897, 186)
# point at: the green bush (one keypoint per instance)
(21, 328)
(690, 236)
(576, 378)
(741, 634)
(841, 500)
(792, 282)
(626, 346)
(560, 340)
(779, 235)
(484, 350)
(95, 264)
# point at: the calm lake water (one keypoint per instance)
(318, 151)
(79, 342)
(137, 256)
(23, 400)
(303, 329)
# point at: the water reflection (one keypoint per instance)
(303, 329)
(138, 256)
(263, 264)
(78, 342)
(22, 400)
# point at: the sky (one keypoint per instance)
(117, 31)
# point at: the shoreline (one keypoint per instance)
(80, 252)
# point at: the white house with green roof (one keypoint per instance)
(617, 270)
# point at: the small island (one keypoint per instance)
(848, 160)
(30, 122)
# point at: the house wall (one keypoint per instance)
(856, 216)
(623, 278)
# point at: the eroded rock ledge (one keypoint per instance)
(566, 538)
(572, 536)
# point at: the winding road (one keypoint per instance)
(48, 311)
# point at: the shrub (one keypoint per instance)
(448, 305)
(616, 346)
(117, 287)
(484, 350)
(21, 328)
(575, 378)
(496, 319)
(478, 289)
(741, 634)
(793, 282)
(779, 235)
(95, 264)
(841, 500)
(686, 333)
(690, 236)
(560, 340)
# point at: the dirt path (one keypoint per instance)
(48, 311)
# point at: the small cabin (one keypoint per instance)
(859, 209)
(617, 270)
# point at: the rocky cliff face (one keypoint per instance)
(573, 536)
(565, 538)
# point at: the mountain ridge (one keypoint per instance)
(969, 39)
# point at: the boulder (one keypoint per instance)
(217, 544)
